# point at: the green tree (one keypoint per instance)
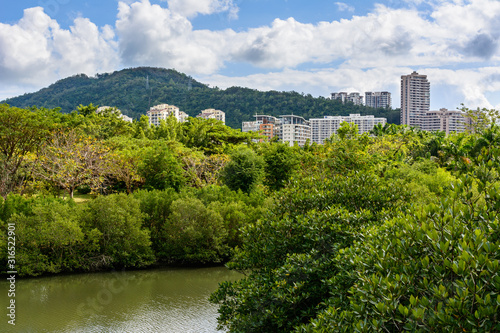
(161, 169)
(244, 171)
(280, 163)
(123, 241)
(347, 131)
(22, 131)
(194, 233)
(48, 238)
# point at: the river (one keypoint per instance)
(158, 300)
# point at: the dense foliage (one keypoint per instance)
(398, 232)
(134, 90)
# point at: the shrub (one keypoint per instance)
(193, 233)
(119, 220)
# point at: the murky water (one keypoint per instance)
(160, 300)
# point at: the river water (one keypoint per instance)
(158, 300)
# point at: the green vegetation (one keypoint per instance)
(134, 90)
(397, 231)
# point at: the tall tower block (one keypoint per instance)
(415, 99)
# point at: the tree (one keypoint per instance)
(161, 169)
(21, 131)
(118, 218)
(348, 131)
(87, 110)
(244, 171)
(194, 233)
(68, 160)
(280, 162)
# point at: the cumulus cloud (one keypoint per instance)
(373, 50)
(191, 8)
(156, 36)
(37, 51)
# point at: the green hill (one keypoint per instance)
(134, 90)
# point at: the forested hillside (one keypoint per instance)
(134, 90)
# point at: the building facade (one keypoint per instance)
(213, 114)
(415, 99)
(162, 112)
(353, 97)
(265, 125)
(378, 99)
(294, 129)
(445, 120)
(324, 128)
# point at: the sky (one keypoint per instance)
(313, 47)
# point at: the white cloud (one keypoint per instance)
(373, 50)
(36, 51)
(343, 7)
(151, 35)
(191, 8)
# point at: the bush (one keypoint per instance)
(193, 234)
(123, 241)
(48, 238)
(437, 270)
(245, 170)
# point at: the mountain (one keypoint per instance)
(134, 90)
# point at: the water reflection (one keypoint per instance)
(161, 300)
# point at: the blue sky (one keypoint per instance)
(315, 47)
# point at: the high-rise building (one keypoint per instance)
(378, 99)
(415, 99)
(323, 128)
(353, 97)
(294, 129)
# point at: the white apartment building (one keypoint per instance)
(294, 129)
(415, 99)
(378, 99)
(213, 114)
(162, 112)
(183, 116)
(323, 128)
(353, 97)
(115, 110)
(444, 120)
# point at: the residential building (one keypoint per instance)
(183, 116)
(323, 128)
(353, 97)
(162, 112)
(378, 99)
(444, 120)
(415, 99)
(294, 129)
(213, 114)
(265, 125)
(114, 110)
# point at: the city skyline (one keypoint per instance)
(291, 45)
